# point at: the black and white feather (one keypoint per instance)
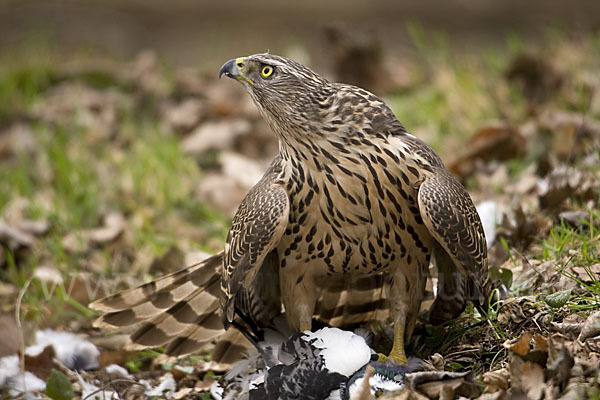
(327, 364)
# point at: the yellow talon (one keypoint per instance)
(397, 355)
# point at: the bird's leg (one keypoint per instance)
(299, 298)
(405, 295)
(398, 354)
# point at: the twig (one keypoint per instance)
(109, 384)
(20, 327)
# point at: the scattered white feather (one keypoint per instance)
(9, 367)
(93, 392)
(376, 382)
(166, 387)
(23, 383)
(17, 383)
(118, 370)
(72, 351)
(344, 352)
(216, 391)
(490, 217)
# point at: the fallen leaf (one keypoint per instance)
(576, 218)
(364, 391)
(246, 171)
(536, 75)
(14, 238)
(114, 224)
(205, 383)
(185, 114)
(591, 327)
(558, 299)
(10, 332)
(540, 343)
(172, 260)
(519, 229)
(183, 393)
(58, 386)
(215, 135)
(496, 380)
(560, 369)
(37, 227)
(567, 328)
(490, 142)
(221, 192)
(532, 379)
(521, 346)
(565, 182)
(41, 364)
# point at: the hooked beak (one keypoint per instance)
(233, 69)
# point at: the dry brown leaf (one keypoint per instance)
(449, 388)
(532, 379)
(184, 115)
(205, 383)
(576, 218)
(219, 135)
(40, 365)
(591, 327)
(81, 240)
(536, 74)
(172, 260)
(521, 346)
(495, 141)
(520, 229)
(14, 238)
(221, 192)
(496, 380)
(364, 391)
(560, 369)
(517, 310)
(564, 182)
(540, 342)
(183, 393)
(114, 224)
(205, 366)
(45, 273)
(244, 170)
(37, 227)
(405, 393)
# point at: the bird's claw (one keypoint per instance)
(399, 359)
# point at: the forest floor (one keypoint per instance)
(114, 173)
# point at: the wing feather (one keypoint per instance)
(257, 227)
(451, 218)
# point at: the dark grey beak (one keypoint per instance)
(229, 69)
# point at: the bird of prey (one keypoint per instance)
(343, 225)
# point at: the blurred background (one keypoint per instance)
(204, 33)
(123, 157)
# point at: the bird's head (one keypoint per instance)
(288, 94)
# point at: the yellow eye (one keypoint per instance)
(266, 71)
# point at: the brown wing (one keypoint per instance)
(179, 310)
(256, 230)
(461, 254)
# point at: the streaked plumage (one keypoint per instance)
(342, 226)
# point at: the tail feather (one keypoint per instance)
(197, 309)
(353, 302)
(139, 304)
(180, 310)
(231, 345)
(196, 337)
